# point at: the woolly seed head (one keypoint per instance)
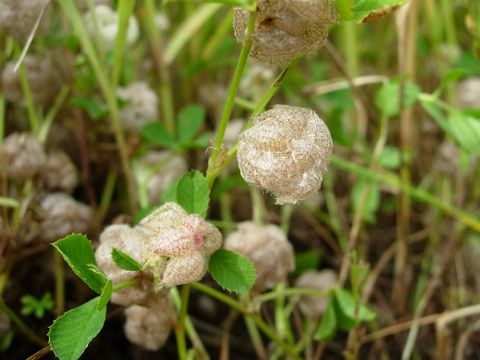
(267, 247)
(285, 152)
(184, 240)
(314, 306)
(185, 269)
(59, 172)
(159, 177)
(468, 93)
(18, 17)
(63, 215)
(130, 241)
(141, 106)
(22, 155)
(285, 29)
(107, 21)
(44, 77)
(149, 326)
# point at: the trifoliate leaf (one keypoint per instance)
(190, 120)
(193, 193)
(157, 134)
(77, 251)
(232, 271)
(328, 325)
(124, 261)
(70, 334)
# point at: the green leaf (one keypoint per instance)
(105, 295)
(77, 251)
(390, 157)
(190, 120)
(465, 129)
(157, 134)
(388, 97)
(94, 108)
(70, 334)
(328, 325)
(232, 271)
(347, 305)
(124, 261)
(306, 260)
(193, 193)
(362, 8)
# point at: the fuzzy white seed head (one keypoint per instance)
(44, 78)
(130, 241)
(150, 326)
(267, 247)
(22, 155)
(105, 20)
(468, 93)
(285, 29)
(140, 108)
(159, 169)
(314, 306)
(59, 172)
(186, 240)
(185, 269)
(286, 152)
(63, 215)
(18, 17)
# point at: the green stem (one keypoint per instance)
(240, 308)
(108, 91)
(165, 90)
(214, 171)
(180, 330)
(232, 92)
(416, 193)
(289, 292)
(2, 118)
(125, 10)
(33, 116)
(59, 284)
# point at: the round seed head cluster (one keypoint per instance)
(186, 240)
(314, 306)
(267, 247)
(22, 155)
(105, 20)
(44, 79)
(130, 241)
(59, 172)
(63, 215)
(18, 17)
(285, 29)
(159, 169)
(141, 106)
(468, 93)
(149, 326)
(285, 152)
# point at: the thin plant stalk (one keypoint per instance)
(232, 93)
(161, 67)
(109, 92)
